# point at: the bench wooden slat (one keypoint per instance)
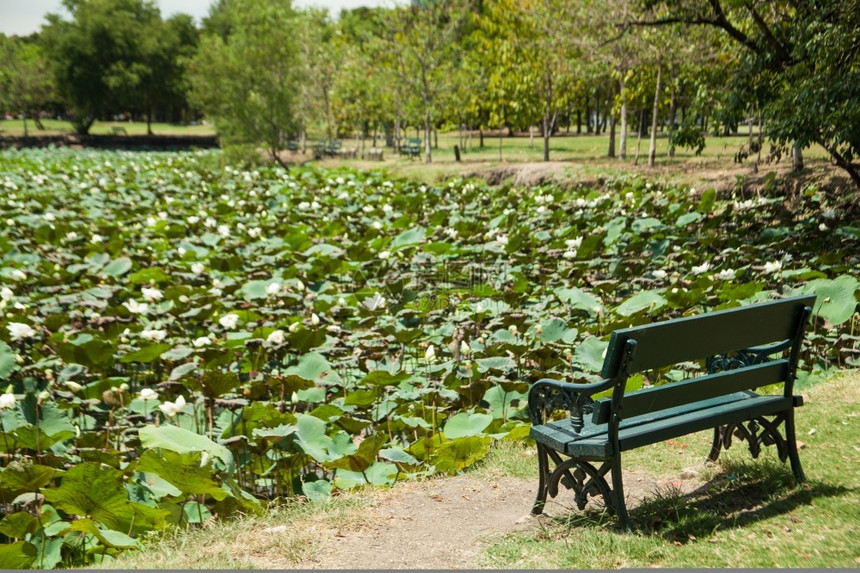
(695, 337)
(593, 443)
(701, 388)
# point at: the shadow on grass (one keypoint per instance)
(744, 493)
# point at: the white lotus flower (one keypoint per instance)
(20, 331)
(197, 268)
(294, 327)
(569, 254)
(275, 338)
(374, 302)
(273, 288)
(172, 408)
(96, 238)
(224, 230)
(193, 220)
(574, 243)
(229, 321)
(72, 385)
(148, 394)
(151, 294)
(71, 235)
(659, 274)
(315, 319)
(7, 400)
(703, 268)
(384, 255)
(769, 267)
(376, 225)
(153, 335)
(201, 342)
(464, 348)
(725, 275)
(6, 293)
(135, 307)
(502, 240)
(19, 275)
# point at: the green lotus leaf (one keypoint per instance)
(21, 476)
(108, 537)
(148, 353)
(643, 300)
(589, 354)
(183, 441)
(577, 298)
(7, 361)
(501, 363)
(836, 299)
(315, 368)
(20, 524)
(187, 472)
(94, 490)
(18, 555)
(398, 455)
(117, 268)
(500, 402)
(466, 424)
(409, 237)
(319, 490)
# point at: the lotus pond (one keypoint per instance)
(181, 341)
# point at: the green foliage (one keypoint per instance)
(248, 82)
(181, 341)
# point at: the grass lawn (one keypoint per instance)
(15, 128)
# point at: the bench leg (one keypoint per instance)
(717, 444)
(618, 502)
(543, 474)
(791, 445)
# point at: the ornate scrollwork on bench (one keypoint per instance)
(585, 480)
(756, 433)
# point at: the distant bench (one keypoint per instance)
(738, 348)
(117, 130)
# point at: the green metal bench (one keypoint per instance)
(412, 147)
(742, 349)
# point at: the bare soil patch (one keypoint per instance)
(436, 524)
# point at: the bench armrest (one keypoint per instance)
(548, 395)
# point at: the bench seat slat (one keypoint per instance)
(593, 442)
(701, 388)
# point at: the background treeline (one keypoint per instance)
(267, 74)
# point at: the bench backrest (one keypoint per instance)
(779, 324)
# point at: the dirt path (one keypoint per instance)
(436, 524)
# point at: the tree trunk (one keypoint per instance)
(612, 136)
(673, 110)
(652, 151)
(427, 156)
(578, 121)
(796, 157)
(622, 147)
(547, 126)
(639, 135)
(25, 124)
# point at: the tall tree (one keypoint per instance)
(26, 83)
(425, 43)
(802, 59)
(101, 58)
(248, 83)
